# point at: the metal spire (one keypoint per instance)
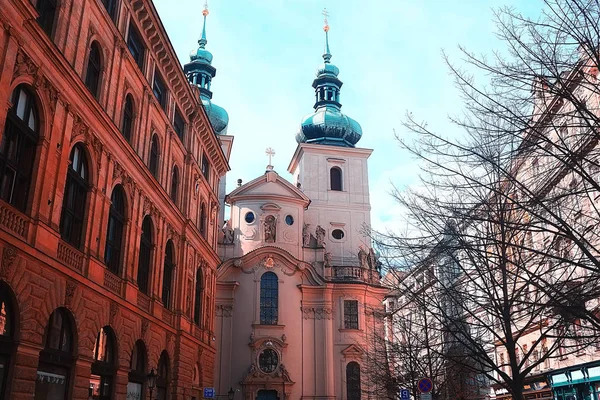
(202, 42)
(327, 55)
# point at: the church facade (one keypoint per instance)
(298, 291)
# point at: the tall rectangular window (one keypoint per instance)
(350, 314)
(47, 14)
(160, 90)
(136, 45)
(179, 124)
(205, 167)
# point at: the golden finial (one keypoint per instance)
(205, 11)
(326, 26)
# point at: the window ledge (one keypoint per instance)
(350, 330)
(264, 326)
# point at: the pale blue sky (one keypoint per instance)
(389, 53)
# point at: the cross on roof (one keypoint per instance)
(325, 14)
(270, 152)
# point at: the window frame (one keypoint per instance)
(353, 386)
(179, 124)
(198, 294)
(336, 182)
(160, 90)
(269, 298)
(48, 12)
(168, 270)
(73, 217)
(154, 157)
(111, 8)
(205, 168)
(351, 314)
(135, 45)
(145, 255)
(128, 118)
(19, 168)
(93, 73)
(174, 184)
(116, 221)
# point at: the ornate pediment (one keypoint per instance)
(353, 351)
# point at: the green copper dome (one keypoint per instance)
(328, 125)
(200, 72)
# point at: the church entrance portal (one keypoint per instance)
(267, 395)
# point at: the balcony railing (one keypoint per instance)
(356, 274)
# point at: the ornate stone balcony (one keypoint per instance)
(355, 274)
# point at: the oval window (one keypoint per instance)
(289, 220)
(250, 217)
(337, 234)
(268, 360)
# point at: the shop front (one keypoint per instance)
(579, 382)
(535, 388)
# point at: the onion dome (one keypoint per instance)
(200, 72)
(327, 125)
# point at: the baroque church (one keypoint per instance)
(299, 284)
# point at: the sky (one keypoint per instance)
(389, 53)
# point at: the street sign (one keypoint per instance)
(404, 394)
(209, 393)
(425, 396)
(425, 385)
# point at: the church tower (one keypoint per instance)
(298, 292)
(200, 72)
(331, 170)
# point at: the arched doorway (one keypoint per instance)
(57, 358)
(8, 326)
(162, 380)
(103, 368)
(267, 395)
(137, 372)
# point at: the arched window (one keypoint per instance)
(8, 324)
(353, 389)
(167, 288)
(269, 298)
(162, 380)
(114, 232)
(103, 368)
(137, 370)
(56, 359)
(127, 123)
(145, 257)
(94, 70)
(47, 15)
(74, 200)
(202, 225)
(174, 183)
(18, 148)
(153, 165)
(198, 297)
(111, 8)
(335, 177)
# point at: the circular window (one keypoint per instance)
(289, 220)
(337, 234)
(249, 217)
(268, 360)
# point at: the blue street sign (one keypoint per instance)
(425, 385)
(209, 393)
(404, 394)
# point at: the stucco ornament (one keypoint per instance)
(327, 259)
(270, 229)
(268, 262)
(320, 234)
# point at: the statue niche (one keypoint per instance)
(270, 226)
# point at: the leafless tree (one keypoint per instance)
(506, 214)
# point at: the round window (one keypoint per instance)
(268, 360)
(250, 217)
(337, 234)
(289, 220)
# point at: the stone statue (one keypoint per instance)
(372, 260)
(227, 233)
(305, 235)
(320, 234)
(327, 258)
(270, 229)
(362, 258)
(283, 372)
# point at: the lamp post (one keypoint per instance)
(230, 394)
(151, 377)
